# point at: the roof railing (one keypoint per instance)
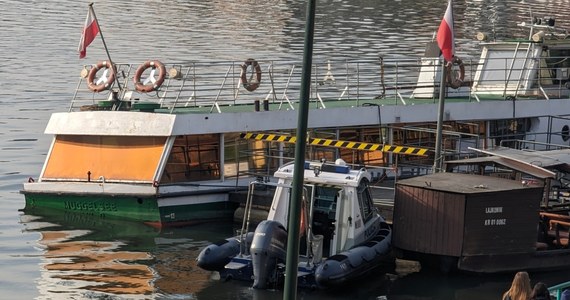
(210, 86)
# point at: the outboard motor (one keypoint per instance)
(217, 255)
(269, 246)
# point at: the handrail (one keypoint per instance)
(559, 288)
(205, 84)
(522, 72)
(215, 104)
(246, 218)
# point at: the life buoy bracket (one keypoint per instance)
(155, 82)
(253, 83)
(455, 81)
(101, 84)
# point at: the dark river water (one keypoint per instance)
(73, 257)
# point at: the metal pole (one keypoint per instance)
(290, 288)
(437, 163)
(105, 45)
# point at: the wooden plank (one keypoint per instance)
(428, 221)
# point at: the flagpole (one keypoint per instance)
(446, 43)
(438, 138)
(105, 45)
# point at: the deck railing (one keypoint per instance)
(558, 289)
(209, 86)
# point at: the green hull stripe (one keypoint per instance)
(131, 208)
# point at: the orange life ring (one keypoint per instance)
(456, 82)
(145, 88)
(251, 84)
(105, 84)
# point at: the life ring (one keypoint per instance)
(456, 82)
(106, 84)
(153, 86)
(251, 84)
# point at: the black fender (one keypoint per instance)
(215, 256)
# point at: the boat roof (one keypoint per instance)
(163, 124)
(319, 173)
(134, 123)
(462, 183)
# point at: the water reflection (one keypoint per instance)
(87, 256)
(83, 256)
(84, 266)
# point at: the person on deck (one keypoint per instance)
(565, 295)
(540, 292)
(520, 288)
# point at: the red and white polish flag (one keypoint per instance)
(90, 31)
(445, 38)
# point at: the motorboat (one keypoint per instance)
(343, 237)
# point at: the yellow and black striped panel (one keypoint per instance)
(337, 144)
(269, 137)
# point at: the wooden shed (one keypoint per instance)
(453, 216)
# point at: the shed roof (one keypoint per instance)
(536, 163)
(463, 183)
(534, 171)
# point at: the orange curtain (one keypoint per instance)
(113, 157)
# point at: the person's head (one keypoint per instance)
(540, 291)
(520, 288)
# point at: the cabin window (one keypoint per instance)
(501, 65)
(365, 200)
(565, 133)
(193, 157)
(109, 158)
(558, 65)
(324, 214)
(235, 155)
(321, 152)
(259, 158)
(255, 157)
(262, 157)
(509, 133)
(374, 135)
(325, 200)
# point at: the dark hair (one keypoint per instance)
(540, 292)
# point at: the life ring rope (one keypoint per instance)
(105, 81)
(456, 81)
(150, 83)
(252, 83)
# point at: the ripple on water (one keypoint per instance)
(40, 69)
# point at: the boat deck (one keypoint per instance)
(272, 106)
